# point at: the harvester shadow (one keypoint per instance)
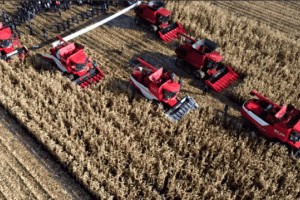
(41, 64)
(238, 125)
(117, 86)
(227, 96)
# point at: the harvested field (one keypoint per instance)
(117, 144)
(281, 16)
(28, 171)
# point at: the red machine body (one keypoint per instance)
(8, 43)
(72, 61)
(158, 19)
(201, 56)
(272, 120)
(155, 84)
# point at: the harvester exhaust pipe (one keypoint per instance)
(89, 28)
(180, 82)
(172, 76)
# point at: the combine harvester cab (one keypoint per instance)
(160, 86)
(8, 41)
(201, 57)
(72, 61)
(272, 120)
(158, 20)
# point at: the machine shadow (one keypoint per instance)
(117, 86)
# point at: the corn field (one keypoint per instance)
(120, 146)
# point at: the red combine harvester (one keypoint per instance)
(158, 19)
(272, 120)
(201, 57)
(160, 86)
(72, 61)
(8, 41)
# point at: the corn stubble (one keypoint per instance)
(119, 145)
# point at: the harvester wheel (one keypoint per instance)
(137, 21)
(290, 107)
(160, 19)
(199, 74)
(71, 77)
(152, 28)
(183, 52)
(140, 10)
(179, 62)
(64, 73)
(157, 103)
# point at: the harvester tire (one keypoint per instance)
(183, 52)
(198, 74)
(140, 10)
(160, 19)
(64, 73)
(152, 28)
(179, 62)
(137, 21)
(157, 103)
(290, 107)
(71, 77)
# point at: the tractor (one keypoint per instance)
(272, 120)
(72, 61)
(201, 59)
(160, 86)
(158, 20)
(8, 43)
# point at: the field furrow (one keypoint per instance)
(274, 20)
(2, 195)
(276, 15)
(42, 171)
(291, 4)
(278, 9)
(23, 173)
(11, 177)
(5, 189)
(289, 26)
